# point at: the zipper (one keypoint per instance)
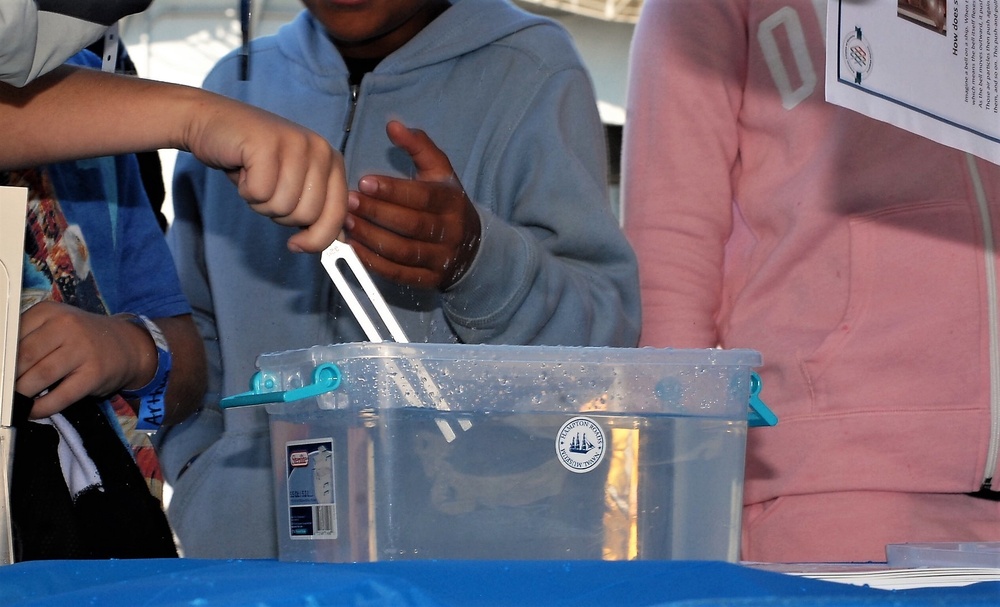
(989, 252)
(349, 121)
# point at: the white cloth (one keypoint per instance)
(78, 469)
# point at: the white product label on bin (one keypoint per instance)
(580, 444)
(312, 502)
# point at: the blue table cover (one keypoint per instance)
(263, 583)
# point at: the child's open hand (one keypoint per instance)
(422, 232)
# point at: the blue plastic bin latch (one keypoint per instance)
(325, 378)
(759, 413)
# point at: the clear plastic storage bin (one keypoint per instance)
(389, 451)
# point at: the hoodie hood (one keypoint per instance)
(465, 27)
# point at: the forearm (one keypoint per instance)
(584, 297)
(76, 112)
(284, 171)
(569, 275)
(681, 149)
(187, 383)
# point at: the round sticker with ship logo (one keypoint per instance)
(580, 444)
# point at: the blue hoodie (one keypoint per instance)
(507, 98)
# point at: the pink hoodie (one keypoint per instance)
(857, 258)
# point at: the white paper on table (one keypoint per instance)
(882, 577)
(931, 67)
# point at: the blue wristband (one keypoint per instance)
(152, 396)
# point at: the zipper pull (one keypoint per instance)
(349, 122)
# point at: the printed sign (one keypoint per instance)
(931, 67)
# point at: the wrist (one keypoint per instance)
(139, 347)
(467, 251)
(151, 397)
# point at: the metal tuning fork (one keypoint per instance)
(331, 260)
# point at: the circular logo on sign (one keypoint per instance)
(858, 55)
(580, 444)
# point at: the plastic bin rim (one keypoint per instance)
(508, 353)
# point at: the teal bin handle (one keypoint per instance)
(325, 378)
(759, 413)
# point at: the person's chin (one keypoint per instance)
(345, 3)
